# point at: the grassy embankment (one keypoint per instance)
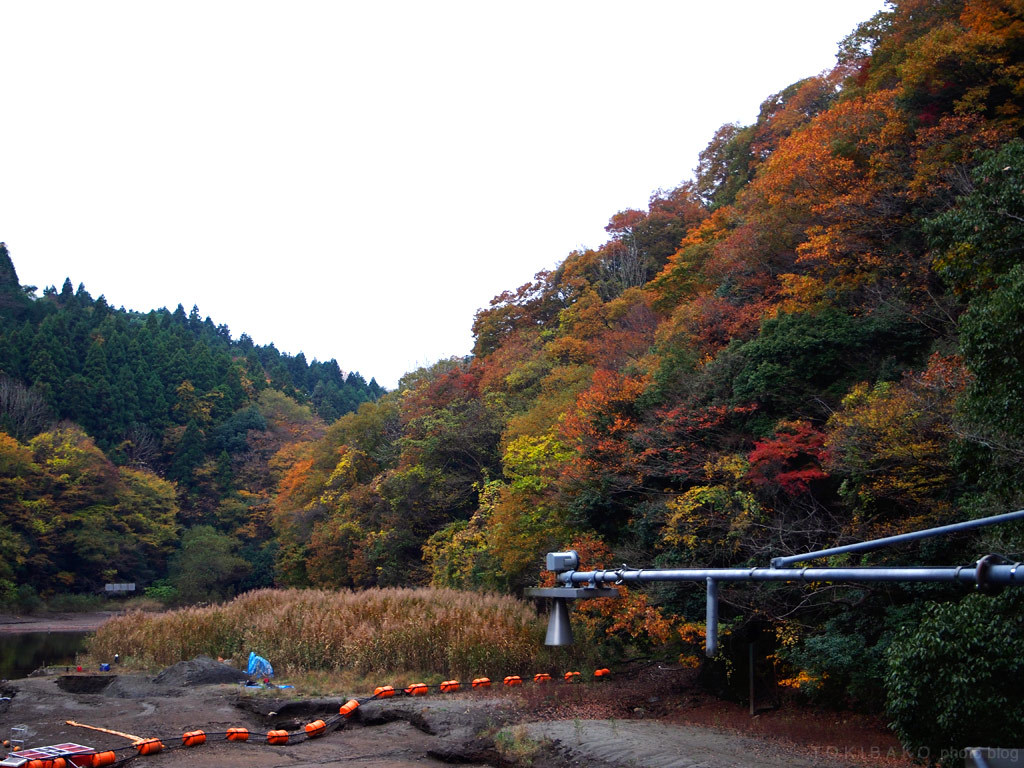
(377, 636)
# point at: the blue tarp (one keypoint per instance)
(259, 667)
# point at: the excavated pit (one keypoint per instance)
(85, 683)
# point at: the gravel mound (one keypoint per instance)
(202, 670)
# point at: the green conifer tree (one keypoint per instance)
(188, 456)
(8, 276)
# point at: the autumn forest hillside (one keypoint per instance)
(816, 340)
(135, 445)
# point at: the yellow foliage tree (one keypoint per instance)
(892, 443)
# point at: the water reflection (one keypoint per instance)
(23, 652)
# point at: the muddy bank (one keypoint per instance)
(402, 736)
(599, 743)
(497, 728)
(54, 622)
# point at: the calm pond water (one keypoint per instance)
(23, 652)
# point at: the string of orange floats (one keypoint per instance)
(151, 746)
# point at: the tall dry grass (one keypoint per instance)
(372, 632)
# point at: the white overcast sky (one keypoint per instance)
(355, 179)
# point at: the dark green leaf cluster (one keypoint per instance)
(953, 680)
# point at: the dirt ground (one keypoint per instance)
(598, 726)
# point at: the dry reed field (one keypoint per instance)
(371, 632)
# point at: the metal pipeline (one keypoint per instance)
(1007, 573)
(986, 574)
(990, 574)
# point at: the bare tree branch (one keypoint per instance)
(23, 413)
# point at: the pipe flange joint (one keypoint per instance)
(981, 575)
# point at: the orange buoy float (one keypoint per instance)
(417, 689)
(450, 686)
(150, 747)
(193, 738)
(277, 737)
(541, 677)
(238, 734)
(513, 680)
(383, 691)
(572, 677)
(602, 672)
(481, 682)
(101, 759)
(315, 728)
(349, 707)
